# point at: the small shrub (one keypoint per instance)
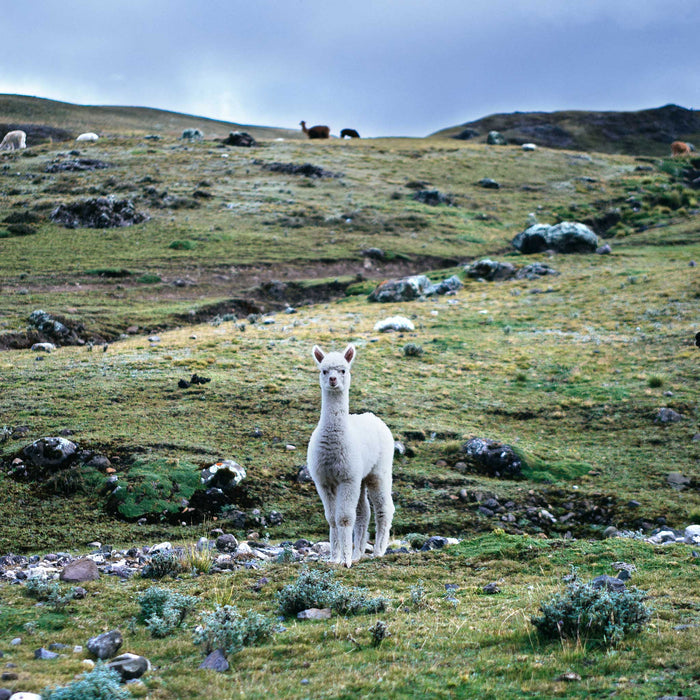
(655, 382)
(588, 614)
(163, 610)
(419, 598)
(226, 629)
(317, 589)
(49, 592)
(183, 245)
(101, 683)
(196, 560)
(417, 539)
(149, 278)
(379, 632)
(162, 564)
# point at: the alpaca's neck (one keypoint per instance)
(304, 129)
(335, 408)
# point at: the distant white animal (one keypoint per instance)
(89, 136)
(350, 458)
(13, 141)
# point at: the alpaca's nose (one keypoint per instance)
(332, 381)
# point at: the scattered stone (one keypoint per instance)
(51, 452)
(677, 481)
(667, 415)
(534, 271)
(80, 570)
(692, 534)
(568, 677)
(529, 147)
(413, 287)
(610, 531)
(226, 543)
(394, 323)
(493, 458)
(224, 475)
(491, 588)
(192, 135)
(435, 542)
(566, 237)
(45, 654)
(129, 666)
(315, 614)
(488, 183)
(433, 197)
(100, 212)
(240, 138)
(604, 249)
(105, 646)
(216, 661)
(610, 583)
(306, 169)
(490, 270)
(77, 165)
(412, 350)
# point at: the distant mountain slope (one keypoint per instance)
(648, 131)
(42, 119)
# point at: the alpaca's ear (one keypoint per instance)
(349, 354)
(318, 354)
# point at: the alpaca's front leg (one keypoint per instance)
(328, 497)
(347, 497)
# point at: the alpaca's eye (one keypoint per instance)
(325, 371)
(342, 371)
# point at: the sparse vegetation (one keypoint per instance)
(570, 369)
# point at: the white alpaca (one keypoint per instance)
(89, 136)
(349, 458)
(13, 141)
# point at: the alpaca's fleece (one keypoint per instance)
(13, 141)
(350, 459)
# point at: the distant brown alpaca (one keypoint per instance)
(680, 148)
(316, 132)
(350, 133)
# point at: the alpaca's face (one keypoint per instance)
(334, 368)
(335, 373)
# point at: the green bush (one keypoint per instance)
(317, 589)
(596, 615)
(163, 610)
(183, 245)
(226, 629)
(49, 592)
(162, 564)
(101, 683)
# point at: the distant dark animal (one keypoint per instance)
(316, 132)
(350, 133)
(680, 148)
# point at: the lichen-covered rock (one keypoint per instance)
(99, 212)
(105, 646)
(490, 270)
(566, 237)
(494, 458)
(52, 452)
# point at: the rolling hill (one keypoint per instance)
(645, 132)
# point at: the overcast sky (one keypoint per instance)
(383, 67)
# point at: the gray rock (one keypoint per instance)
(488, 183)
(435, 542)
(692, 534)
(53, 452)
(105, 646)
(566, 237)
(129, 666)
(224, 475)
(610, 531)
(5, 694)
(80, 570)
(433, 197)
(490, 270)
(608, 582)
(226, 543)
(491, 588)
(668, 415)
(534, 271)
(192, 135)
(241, 139)
(315, 614)
(45, 654)
(404, 289)
(493, 458)
(216, 661)
(677, 481)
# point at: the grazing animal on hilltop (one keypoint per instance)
(315, 132)
(13, 141)
(349, 458)
(89, 136)
(680, 148)
(350, 133)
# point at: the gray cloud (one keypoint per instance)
(392, 67)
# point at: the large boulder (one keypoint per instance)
(490, 270)
(50, 452)
(240, 138)
(80, 570)
(493, 458)
(106, 645)
(414, 287)
(566, 237)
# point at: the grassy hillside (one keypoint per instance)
(18, 110)
(571, 369)
(645, 132)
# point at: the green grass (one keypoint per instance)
(569, 369)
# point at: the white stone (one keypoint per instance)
(161, 547)
(529, 147)
(692, 534)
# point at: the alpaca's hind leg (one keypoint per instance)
(360, 533)
(347, 498)
(383, 514)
